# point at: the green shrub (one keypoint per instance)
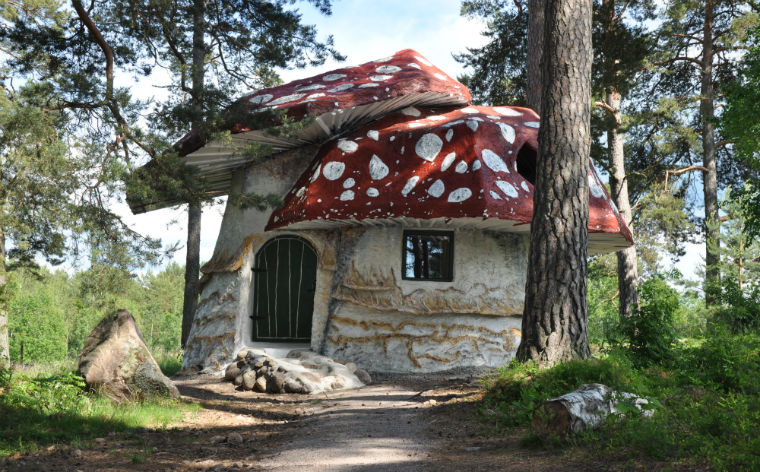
(35, 320)
(650, 331)
(741, 309)
(603, 315)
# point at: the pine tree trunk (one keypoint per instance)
(535, 52)
(4, 342)
(628, 271)
(192, 260)
(555, 321)
(192, 269)
(710, 177)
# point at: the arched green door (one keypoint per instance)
(285, 276)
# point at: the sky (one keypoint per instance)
(363, 30)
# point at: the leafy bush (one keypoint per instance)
(36, 321)
(650, 331)
(741, 310)
(603, 315)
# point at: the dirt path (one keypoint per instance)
(398, 424)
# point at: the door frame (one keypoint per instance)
(254, 296)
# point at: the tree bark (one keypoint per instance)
(5, 358)
(192, 269)
(710, 176)
(627, 265)
(555, 321)
(192, 260)
(535, 49)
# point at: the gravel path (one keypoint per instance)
(374, 428)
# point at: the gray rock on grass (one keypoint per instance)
(116, 362)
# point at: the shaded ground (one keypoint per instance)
(407, 423)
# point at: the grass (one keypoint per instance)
(706, 400)
(39, 408)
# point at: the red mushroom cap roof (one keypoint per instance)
(458, 166)
(343, 98)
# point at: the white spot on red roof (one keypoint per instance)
(380, 78)
(373, 134)
(461, 167)
(349, 182)
(369, 84)
(532, 124)
(372, 192)
(476, 165)
(436, 190)
(304, 88)
(333, 77)
(472, 124)
(449, 135)
(387, 69)
(508, 189)
(423, 60)
(347, 145)
(377, 168)
(347, 195)
(495, 195)
(333, 170)
(440, 76)
(428, 146)
(469, 110)
(524, 185)
(415, 65)
(411, 111)
(460, 195)
(409, 185)
(506, 111)
(385, 59)
(316, 173)
(260, 99)
(507, 132)
(286, 99)
(341, 88)
(494, 161)
(448, 160)
(595, 189)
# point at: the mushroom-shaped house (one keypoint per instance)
(401, 243)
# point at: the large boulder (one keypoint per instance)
(116, 362)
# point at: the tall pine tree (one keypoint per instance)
(555, 320)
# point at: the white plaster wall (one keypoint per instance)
(385, 323)
(363, 310)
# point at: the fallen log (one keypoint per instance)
(584, 408)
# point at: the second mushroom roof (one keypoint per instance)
(454, 163)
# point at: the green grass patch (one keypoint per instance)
(706, 401)
(170, 362)
(49, 408)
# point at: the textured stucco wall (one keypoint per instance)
(385, 323)
(363, 310)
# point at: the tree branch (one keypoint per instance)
(682, 170)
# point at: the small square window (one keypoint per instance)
(428, 255)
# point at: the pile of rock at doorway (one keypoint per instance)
(301, 371)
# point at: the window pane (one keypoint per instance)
(427, 256)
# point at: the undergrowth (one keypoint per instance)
(706, 399)
(49, 408)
